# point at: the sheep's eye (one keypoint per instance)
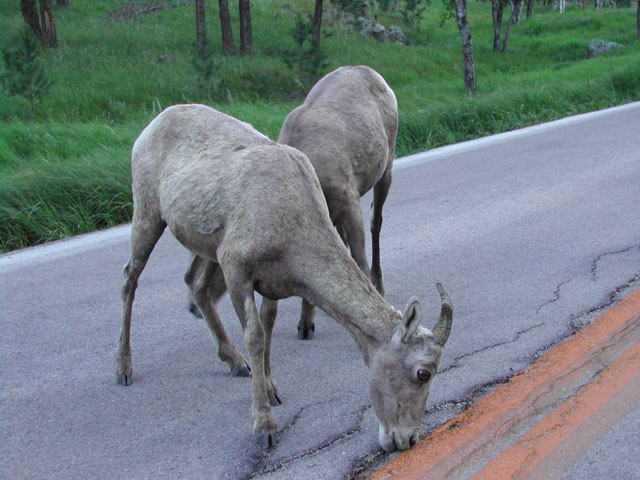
(423, 375)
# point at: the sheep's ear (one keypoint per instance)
(411, 319)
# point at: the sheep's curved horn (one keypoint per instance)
(443, 327)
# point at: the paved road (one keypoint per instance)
(531, 233)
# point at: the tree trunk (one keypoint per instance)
(48, 24)
(530, 8)
(317, 25)
(245, 26)
(31, 17)
(32, 107)
(228, 47)
(519, 16)
(514, 15)
(497, 8)
(467, 45)
(201, 26)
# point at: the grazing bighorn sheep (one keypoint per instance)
(347, 128)
(253, 214)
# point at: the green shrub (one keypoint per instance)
(25, 74)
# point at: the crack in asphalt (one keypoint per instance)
(584, 318)
(594, 278)
(556, 296)
(455, 363)
(594, 264)
(298, 414)
(262, 456)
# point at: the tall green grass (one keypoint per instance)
(68, 172)
(55, 202)
(577, 90)
(62, 179)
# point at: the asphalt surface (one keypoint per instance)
(532, 233)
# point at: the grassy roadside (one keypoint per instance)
(68, 172)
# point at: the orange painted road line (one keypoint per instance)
(539, 442)
(467, 443)
(593, 429)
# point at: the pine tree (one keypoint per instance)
(413, 11)
(24, 72)
(308, 60)
(206, 65)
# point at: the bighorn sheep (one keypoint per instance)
(254, 209)
(347, 128)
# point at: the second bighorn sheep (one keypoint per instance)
(253, 214)
(347, 127)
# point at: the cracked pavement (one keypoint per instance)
(531, 234)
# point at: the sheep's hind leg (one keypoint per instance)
(353, 227)
(206, 284)
(306, 324)
(268, 313)
(144, 236)
(379, 196)
(242, 297)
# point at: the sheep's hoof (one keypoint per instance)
(244, 371)
(193, 308)
(266, 441)
(274, 400)
(124, 379)
(377, 282)
(306, 333)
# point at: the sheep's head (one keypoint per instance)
(402, 372)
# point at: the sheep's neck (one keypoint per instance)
(344, 292)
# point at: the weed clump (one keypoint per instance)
(25, 74)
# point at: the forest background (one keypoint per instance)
(64, 166)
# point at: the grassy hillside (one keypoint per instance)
(67, 172)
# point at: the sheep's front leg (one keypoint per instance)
(145, 232)
(264, 425)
